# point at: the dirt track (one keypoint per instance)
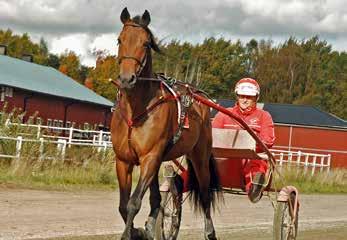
(26, 214)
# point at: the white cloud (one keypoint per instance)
(76, 42)
(105, 42)
(82, 25)
(7, 10)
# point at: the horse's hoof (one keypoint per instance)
(139, 234)
(150, 228)
(125, 237)
(211, 236)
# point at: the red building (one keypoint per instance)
(321, 140)
(49, 97)
(307, 129)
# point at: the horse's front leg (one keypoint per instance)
(124, 175)
(149, 166)
(154, 200)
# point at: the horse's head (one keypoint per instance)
(135, 43)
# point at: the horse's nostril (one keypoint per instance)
(133, 79)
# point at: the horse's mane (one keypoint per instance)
(154, 45)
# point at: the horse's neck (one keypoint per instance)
(140, 98)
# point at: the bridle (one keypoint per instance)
(147, 46)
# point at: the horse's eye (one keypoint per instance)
(118, 41)
(147, 45)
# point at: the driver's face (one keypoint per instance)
(246, 101)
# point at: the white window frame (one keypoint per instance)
(9, 92)
(68, 124)
(86, 126)
(49, 122)
(38, 121)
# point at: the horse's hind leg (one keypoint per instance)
(154, 200)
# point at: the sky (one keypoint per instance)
(85, 25)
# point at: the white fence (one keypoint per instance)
(58, 136)
(60, 145)
(71, 135)
(67, 137)
(309, 161)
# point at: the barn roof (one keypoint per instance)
(37, 78)
(296, 114)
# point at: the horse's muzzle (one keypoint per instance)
(127, 81)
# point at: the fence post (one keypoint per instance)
(306, 162)
(314, 164)
(298, 160)
(70, 135)
(61, 146)
(281, 159)
(289, 162)
(38, 131)
(321, 163)
(7, 122)
(18, 150)
(63, 150)
(328, 163)
(41, 150)
(18, 146)
(101, 134)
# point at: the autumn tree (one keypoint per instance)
(99, 77)
(69, 64)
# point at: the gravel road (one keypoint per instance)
(32, 214)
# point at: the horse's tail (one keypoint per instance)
(214, 190)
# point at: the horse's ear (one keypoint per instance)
(124, 16)
(145, 19)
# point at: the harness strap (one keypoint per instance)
(133, 121)
(161, 100)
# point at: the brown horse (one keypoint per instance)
(143, 124)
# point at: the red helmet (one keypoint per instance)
(248, 87)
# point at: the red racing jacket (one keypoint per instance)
(258, 120)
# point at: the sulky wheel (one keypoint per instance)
(284, 228)
(169, 218)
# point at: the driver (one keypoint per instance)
(247, 92)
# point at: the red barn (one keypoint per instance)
(307, 129)
(49, 97)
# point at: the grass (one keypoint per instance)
(43, 167)
(334, 181)
(100, 175)
(94, 176)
